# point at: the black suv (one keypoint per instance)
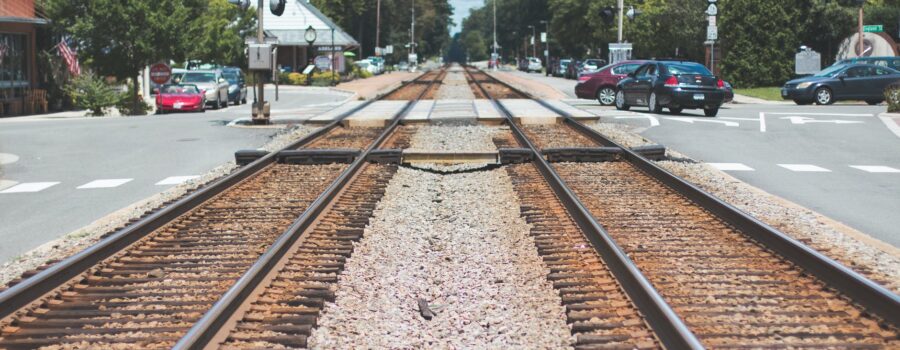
(676, 85)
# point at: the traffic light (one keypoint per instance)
(277, 6)
(632, 13)
(608, 14)
(243, 4)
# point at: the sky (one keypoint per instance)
(461, 10)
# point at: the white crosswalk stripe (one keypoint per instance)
(876, 168)
(104, 183)
(804, 168)
(29, 187)
(175, 180)
(731, 166)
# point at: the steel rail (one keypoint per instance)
(669, 328)
(35, 287)
(873, 297)
(210, 327)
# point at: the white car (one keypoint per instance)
(367, 65)
(211, 83)
(378, 62)
(534, 64)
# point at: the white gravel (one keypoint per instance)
(455, 85)
(81, 238)
(874, 259)
(455, 138)
(459, 242)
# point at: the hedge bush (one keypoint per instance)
(92, 93)
(892, 96)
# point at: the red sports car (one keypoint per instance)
(602, 84)
(180, 97)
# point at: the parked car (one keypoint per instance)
(729, 92)
(592, 65)
(602, 84)
(561, 67)
(237, 89)
(573, 69)
(378, 62)
(403, 66)
(887, 61)
(211, 83)
(534, 64)
(842, 82)
(180, 97)
(676, 85)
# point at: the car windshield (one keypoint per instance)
(180, 89)
(197, 77)
(231, 77)
(687, 68)
(830, 71)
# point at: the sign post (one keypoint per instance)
(875, 28)
(712, 33)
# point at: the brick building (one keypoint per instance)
(18, 68)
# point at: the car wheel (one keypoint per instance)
(873, 102)
(620, 101)
(607, 96)
(224, 101)
(218, 103)
(802, 102)
(710, 112)
(244, 101)
(675, 110)
(824, 96)
(653, 106)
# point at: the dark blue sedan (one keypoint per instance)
(676, 85)
(842, 82)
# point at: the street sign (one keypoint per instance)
(877, 28)
(160, 73)
(712, 33)
(389, 49)
(712, 20)
(323, 62)
(543, 37)
(712, 10)
(807, 62)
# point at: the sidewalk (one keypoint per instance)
(372, 87)
(742, 99)
(535, 88)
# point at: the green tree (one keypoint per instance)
(475, 46)
(218, 34)
(760, 41)
(121, 37)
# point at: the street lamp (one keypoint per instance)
(533, 42)
(547, 47)
(310, 37)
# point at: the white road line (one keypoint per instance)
(28, 187)
(104, 183)
(876, 168)
(731, 166)
(804, 168)
(175, 180)
(891, 124)
(762, 122)
(653, 120)
(825, 114)
(692, 120)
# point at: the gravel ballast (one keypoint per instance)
(463, 138)
(458, 244)
(455, 85)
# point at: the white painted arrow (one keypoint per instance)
(692, 120)
(807, 120)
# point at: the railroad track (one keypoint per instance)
(251, 260)
(147, 285)
(732, 281)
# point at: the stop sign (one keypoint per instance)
(160, 73)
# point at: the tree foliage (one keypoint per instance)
(218, 34)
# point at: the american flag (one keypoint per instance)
(70, 57)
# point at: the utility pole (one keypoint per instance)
(547, 47)
(377, 23)
(621, 7)
(861, 45)
(533, 42)
(494, 55)
(260, 39)
(412, 32)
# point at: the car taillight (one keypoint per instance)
(672, 81)
(583, 78)
(721, 84)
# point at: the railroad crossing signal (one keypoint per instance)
(608, 14)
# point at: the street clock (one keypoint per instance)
(310, 35)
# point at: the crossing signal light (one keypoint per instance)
(277, 6)
(608, 14)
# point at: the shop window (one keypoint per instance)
(13, 63)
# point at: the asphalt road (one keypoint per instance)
(840, 160)
(116, 161)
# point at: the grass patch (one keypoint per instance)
(765, 93)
